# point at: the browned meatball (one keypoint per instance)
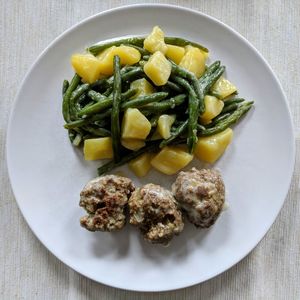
(104, 198)
(154, 210)
(201, 195)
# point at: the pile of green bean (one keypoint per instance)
(96, 110)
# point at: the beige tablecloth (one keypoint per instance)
(29, 271)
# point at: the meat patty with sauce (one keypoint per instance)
(201, 195)
(104, 198)
(154, 210)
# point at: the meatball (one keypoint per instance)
(201, 195)
(104, 198)
(155, 211)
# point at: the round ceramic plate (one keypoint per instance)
(47, 173)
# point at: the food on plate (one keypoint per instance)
(141, 95)
(210, 148)
(201, 195)
(141, 165)
(154, 210)
(104, 199)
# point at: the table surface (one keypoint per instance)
(29, 271)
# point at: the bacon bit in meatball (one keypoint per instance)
(104, 198)
(154, 210)
(201, 195)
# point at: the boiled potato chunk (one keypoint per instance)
(164, 125)
(98, 148)
(193, 61)
(158, 68)
(155, 41)
(213, 107)
(135, 125)
(223, 88)
(141, 165)
(133, 144)
(128, 56)
(210, 148)
(87, 66)
(143, 87)
(171, 159)
(175, 53)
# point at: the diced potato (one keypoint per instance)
(106, 58)
(99, 148)
(175, 53)
(158, 68)
(223, 88)
(210, 148)
(87, 66)
(143, 86)
(193, 61)
(135, 125)
(128, 56)
(155, 41)
(213, 107)
(171, 159)
(141, 165)
(164, 124)
(133, 144)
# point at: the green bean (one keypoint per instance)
(74, 107)
(229, 108)
(193, 111)
(218, 118)
(95, 96)
(182, 42)
(104, 104)
(65, 86)
(233, 100)
(174, 87)
(154, 120)
(139, 41)
(230, 120)
(146, 57)
(151, 147)
(178, 131)
(66, 98)
(143, 100)
(177, 70)
(210, 80)
(164, 105)
(209, 71)
(97, 131)
(116, 103)
(77, 140)
(96, 49)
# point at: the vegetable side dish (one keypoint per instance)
(138, 100)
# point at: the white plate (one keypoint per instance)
(47, 173)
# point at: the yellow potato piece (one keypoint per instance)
(158, 68)
(132, 144)
(213, 107)
(175, 53)
(141, 165)
(128, 56)
(155, 41)
(143, 86)
(135, 125)
(223, 88)
(164, 125)
(193, 61)
(210, 148)
(171, 159)
(87, 66)
(99, 148)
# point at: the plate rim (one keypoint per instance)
(124, 8)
